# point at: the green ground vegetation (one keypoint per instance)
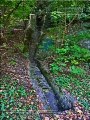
(70, 65)
(12, 93)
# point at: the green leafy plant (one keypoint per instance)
(76, 87)
(11, 93)
(25, 54)
(10, 50)
(76, 70)
(69, 54)
(63, 81)
(54, 68)
(13, 62)
(84, 102)
(20, 46)
(78, 35)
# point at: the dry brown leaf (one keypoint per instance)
(46, 118)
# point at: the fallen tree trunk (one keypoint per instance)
(65, 100)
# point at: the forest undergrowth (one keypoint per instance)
(18, 97)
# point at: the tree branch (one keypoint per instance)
(17, 5)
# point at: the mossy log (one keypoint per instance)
(65, 100)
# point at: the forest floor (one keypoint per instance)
(18, 97)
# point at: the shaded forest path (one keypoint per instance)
(15, 65)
